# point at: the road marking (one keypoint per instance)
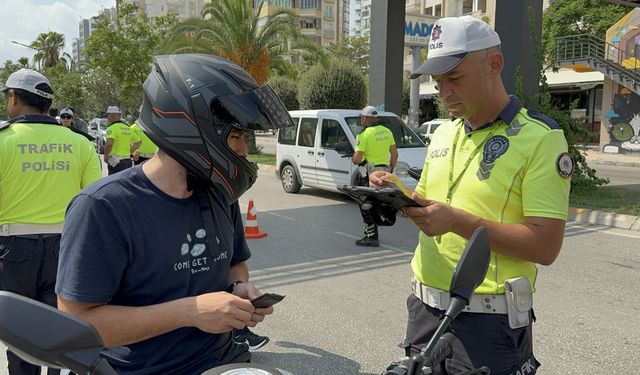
(346, 265)
(586, 228)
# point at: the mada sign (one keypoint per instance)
(417, 29)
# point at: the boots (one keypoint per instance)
(370, 237)
(367, 241)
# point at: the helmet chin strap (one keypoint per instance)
(203, 192)
(192, 181)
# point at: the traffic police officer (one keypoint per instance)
(376, 147)
(120, 143)
(147, 148)
(42, 166)
(498, 165)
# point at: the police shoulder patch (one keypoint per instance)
(565, 165)
(357, 142)
(109, 132)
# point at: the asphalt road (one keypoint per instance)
(345, 307)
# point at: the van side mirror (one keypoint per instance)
(344, 148)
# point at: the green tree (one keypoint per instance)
(7, 68)
(23, 62)
(355, 49)
(340, 85)
(287, 91)
(406, 96)
(127, 51)
(99, 89)
(67, 87)
(573, 17)
(232, 29)
(584, 177)
(49, 46)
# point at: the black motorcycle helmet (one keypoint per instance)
(192, 101)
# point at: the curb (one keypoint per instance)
(615, 163)
(266, 168)
(586, 216)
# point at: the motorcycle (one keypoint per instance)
(45, 336)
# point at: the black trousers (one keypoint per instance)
(124, 164)
(141, 159)
(370, 229)
(481, 340)
(28, 266)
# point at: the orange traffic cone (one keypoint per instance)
(251, 229)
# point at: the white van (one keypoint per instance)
(306, 153)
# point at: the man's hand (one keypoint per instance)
(105, 157)
(250, 292)
(135, 156)
(435, 218)
(377, 178)
(220, 312)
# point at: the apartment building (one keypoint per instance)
(355, 18)
(183, 9)
(323, 21)
(86, 26)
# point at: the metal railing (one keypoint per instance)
(606, 57)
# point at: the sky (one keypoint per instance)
(23, 20)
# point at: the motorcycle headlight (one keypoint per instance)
(401, 169)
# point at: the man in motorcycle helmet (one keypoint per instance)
(173, 289)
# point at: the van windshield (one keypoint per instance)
(403, 135)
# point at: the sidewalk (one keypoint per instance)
(622, 160)
(581, 215)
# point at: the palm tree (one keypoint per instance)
(231, 30)
(24, 62)
(49, 45)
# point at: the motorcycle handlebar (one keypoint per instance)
(442, 350)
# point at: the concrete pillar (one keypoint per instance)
(519, 25)
(385, 61)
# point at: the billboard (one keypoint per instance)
(417, 29)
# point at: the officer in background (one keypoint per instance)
(78, 122)
(42, 166)
(147, 148)
(376, 147)
(497, 165)
(67, 120)
(121, 142)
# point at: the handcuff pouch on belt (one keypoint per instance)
(519, 297)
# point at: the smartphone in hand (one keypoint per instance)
(266, 300)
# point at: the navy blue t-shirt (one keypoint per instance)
(128, 243)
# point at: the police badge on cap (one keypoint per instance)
(565, 165)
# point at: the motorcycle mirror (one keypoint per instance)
(45, 336)
(472, 267)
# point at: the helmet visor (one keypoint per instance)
(260, 109)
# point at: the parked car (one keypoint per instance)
(98, 130)
(426, 129)
(315, 151)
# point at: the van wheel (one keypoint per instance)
(290, 182)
